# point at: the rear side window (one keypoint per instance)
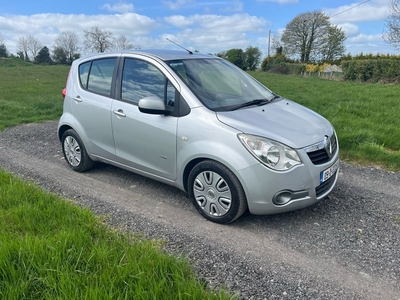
(96, 76)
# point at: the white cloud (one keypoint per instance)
(373, 42)
(237, 7)
(207, 33)
(119, 7)
(349, 29)
(370, 11)
(352, 17)
(363, 38)
(175, 5)
(214, 33)
(180, 21)
(46, 27)
(218, 23)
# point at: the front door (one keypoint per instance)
(144, 141)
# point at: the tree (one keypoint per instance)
(20, 55)
(334, 47)
(22, 48)
(59, 56)
(236, 56)
(3, 50)
(391, 34)
(305, 35)
(276, 44)
(66, 47)
(33, 46)
(252, 57)
(122, 43)
(43, 56)
(98, 40)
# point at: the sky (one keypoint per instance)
(209, 26)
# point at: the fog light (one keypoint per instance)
(282, 198)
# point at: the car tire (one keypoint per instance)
(216, 192)
(75, 152)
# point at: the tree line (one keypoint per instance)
(66, 46)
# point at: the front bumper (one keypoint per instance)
(271, 192)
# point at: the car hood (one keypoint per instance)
(284, 121)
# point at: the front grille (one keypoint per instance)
(324, 187)
(321, 156)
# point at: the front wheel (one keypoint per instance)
(216, 192)
(74, 152)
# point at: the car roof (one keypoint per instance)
(160, 54)
(166, 55)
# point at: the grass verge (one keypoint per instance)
(51, 249)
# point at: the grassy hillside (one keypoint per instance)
(30, 93)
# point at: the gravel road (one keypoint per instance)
(347, 246)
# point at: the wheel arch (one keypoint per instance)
(62, 129)
(188, 168)
(191, 164)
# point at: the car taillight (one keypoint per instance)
(64, 91)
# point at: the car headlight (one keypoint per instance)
(271, 153)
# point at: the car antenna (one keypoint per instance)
(190, 52)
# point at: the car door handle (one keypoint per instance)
(77, 98)
(119, 113)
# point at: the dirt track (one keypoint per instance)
(345, 247)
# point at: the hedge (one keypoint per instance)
(373, 70)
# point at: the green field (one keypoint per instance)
(50, 249)
(30, 93)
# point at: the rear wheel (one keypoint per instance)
(74, 152)
(216, 192)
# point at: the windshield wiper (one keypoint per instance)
(258, 102)
(275, 97)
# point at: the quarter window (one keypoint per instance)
(84, 73)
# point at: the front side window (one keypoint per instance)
(141, 79)
(219, 85)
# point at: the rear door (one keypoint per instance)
(144, 141)
(92, 100)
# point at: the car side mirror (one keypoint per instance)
(152, 105)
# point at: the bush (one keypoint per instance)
(372, 70)
(280, 64)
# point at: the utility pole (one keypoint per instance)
(269, 42)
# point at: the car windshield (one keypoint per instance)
(219, 85)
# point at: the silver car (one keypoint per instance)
(201, 124)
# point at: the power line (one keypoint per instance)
(349, 8)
